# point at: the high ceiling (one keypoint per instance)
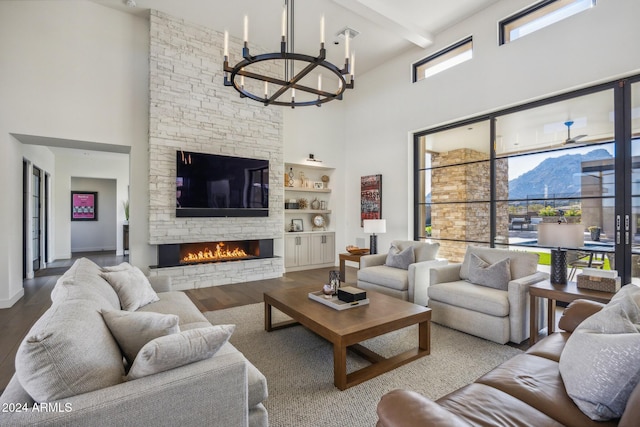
(386, 27)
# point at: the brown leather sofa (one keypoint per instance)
(527, 390)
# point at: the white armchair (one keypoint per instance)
(410, 284)
(494, 312)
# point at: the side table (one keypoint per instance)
(553, 293)
(348, 257)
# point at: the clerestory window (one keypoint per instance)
(540, 15)
(444, 59)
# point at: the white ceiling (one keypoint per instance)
(387, 28)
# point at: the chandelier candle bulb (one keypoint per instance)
(284, 23)
(246, 29)
(266, 89)
(347, 34)
(353, 65)
(226, 45)
(320, 82)
(322, 30)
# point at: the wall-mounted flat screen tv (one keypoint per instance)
(211, 185)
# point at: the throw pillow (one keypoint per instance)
(172, 351)
(133, 288)
(132, 330)
(600, 363)
(400, 259)
(496, 275)
(120, 267)
(425, 251)
(68, 351)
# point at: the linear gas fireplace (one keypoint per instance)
(179, 254)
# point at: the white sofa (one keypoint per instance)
(410, 284)
(223, 390)
(494, 314)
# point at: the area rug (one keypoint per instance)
(299, 368)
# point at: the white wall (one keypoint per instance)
(79, 71)
(386, 108)
(71, 164)
(101, 234)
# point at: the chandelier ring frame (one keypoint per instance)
(231, 74)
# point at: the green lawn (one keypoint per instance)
(545, 259)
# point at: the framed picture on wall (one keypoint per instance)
(370, 197)
(84, 206)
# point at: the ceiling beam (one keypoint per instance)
(386, 18)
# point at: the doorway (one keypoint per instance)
(35, 218)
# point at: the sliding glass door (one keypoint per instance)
(634, 220)
(497, 179)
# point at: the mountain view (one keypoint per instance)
(555, 176)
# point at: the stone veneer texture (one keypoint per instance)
(190, 109)
(466, 178)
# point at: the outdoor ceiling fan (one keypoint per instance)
(570, 140)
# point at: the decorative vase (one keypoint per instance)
(334, 280)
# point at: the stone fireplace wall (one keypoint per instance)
(190, 109)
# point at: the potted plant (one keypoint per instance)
(594, 230)
(573, 215)
(549, 214)
(125, 206)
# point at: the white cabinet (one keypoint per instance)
(323, 248)
(306, 250)
(296, 250)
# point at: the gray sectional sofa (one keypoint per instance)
(77, 357)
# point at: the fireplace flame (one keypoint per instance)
(220, 253)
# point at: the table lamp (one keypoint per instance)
(560, 235)
(373, 226)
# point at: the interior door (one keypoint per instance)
(35, 218)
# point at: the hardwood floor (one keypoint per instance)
(17, 320)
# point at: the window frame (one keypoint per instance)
(439, 54)
(503, 24)
(623, 141)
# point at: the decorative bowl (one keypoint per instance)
(354, 250)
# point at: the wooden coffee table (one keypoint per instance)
(346, 328)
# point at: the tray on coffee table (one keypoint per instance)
(336, 303)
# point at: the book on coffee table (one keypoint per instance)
(334, 302)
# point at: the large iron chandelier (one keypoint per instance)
(285, 72)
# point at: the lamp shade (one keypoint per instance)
(373, 226)
(561, 235)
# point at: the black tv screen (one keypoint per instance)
(211, 185)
